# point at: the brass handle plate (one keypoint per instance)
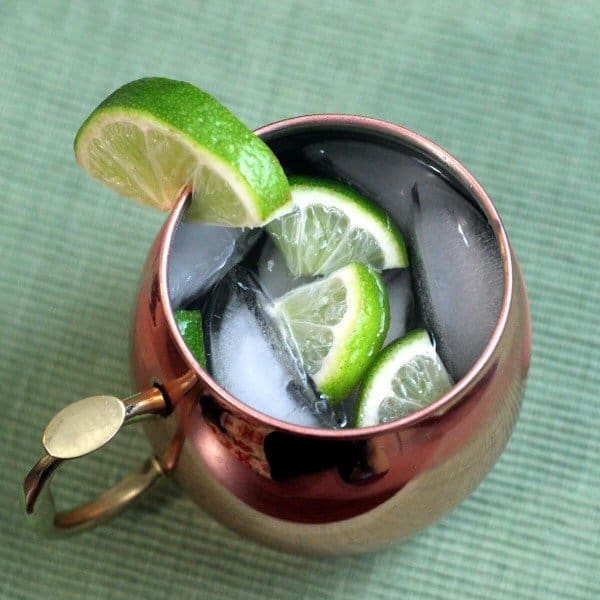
(77, 430)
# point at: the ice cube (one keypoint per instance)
(273, 275)
(398, 284)
(200, 254)
(249, 357)
(383, 174)
(457, 272)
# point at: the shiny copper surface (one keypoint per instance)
(325, 491)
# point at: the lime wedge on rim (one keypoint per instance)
(189, 323)
(337, 325)
(405, 377)
(328, 225)
(153, 136)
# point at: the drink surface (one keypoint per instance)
(452, 288)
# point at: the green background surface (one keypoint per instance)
(511, 88)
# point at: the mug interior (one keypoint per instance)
(386, 163)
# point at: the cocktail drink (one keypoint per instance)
(331, 326)
(272, 300)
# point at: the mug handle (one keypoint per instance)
(79, 429)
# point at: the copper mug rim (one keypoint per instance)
(460, 388)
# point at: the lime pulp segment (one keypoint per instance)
(328, 225)
(406, 376)
(337, 324)
(152, 137)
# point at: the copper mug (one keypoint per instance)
(298, 489)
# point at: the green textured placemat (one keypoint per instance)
(512, 89)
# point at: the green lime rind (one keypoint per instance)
(364, 339)
(328, 225)
(376, 212)
(189, 323)
(208, 130)
(355, 338)
(382, 379)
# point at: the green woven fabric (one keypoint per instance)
(511, 88)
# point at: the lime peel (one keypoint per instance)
(328, 225)
(416, 353)
(189, 323)
(151, 137)
(349, 337)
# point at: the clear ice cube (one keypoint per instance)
(398, 284)
(199, 255)
(249, 357)
(457, 273)
(273, 275)
(381, 173)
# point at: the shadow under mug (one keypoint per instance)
(299, 489)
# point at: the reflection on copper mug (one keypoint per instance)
(299, 489)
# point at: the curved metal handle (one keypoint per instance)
(79, 429)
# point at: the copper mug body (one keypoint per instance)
(321, 491)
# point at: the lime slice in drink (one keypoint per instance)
(337, 325)
(153, 136)
(406, 376)
(189, 323)
(328, 225)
